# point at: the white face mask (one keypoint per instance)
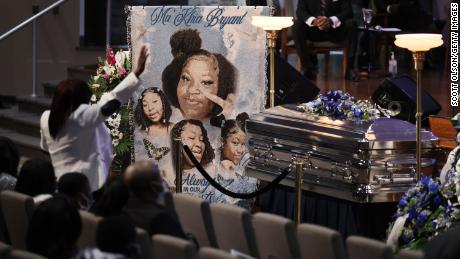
(165, 186)
(87, 202)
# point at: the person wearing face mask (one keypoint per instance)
(76, 187)
(200, 84)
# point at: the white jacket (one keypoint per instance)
(84, 144)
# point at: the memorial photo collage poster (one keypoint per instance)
(206, 63)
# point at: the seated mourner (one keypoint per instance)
(323, 20)
(145, 183)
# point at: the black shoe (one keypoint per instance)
(351, 75)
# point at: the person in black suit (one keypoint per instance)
(145, 184)
(409, 15)
(324, 20)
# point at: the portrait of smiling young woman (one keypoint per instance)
(199, 78)
(152, 118)
(200, 84)
(153, 112)
(233, 139)
(194, 135)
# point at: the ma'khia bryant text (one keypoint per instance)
(453, 94)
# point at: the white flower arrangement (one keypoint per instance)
(109, 74)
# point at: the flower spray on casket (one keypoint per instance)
(343, 106)
(429, 208)
(425, 210)
(109, 74)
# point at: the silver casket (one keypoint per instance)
(370, 161)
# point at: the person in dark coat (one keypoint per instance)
(324, 20)
(54, 229)
(145, 184)
(409, 15)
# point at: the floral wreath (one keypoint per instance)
(429, 208)
(109, 74)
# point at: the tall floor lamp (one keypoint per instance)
(272, 24)
(418, 44)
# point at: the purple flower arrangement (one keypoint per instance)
(342, 106)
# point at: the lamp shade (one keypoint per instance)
(418, 41)
(272, 23)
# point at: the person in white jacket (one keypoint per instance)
(74, 132)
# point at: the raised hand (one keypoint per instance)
(141, 60)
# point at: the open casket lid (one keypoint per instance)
(382, 133)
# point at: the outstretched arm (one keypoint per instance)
(126, 88)
(110, 102)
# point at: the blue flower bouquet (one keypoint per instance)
(341, 105)
(427, 209)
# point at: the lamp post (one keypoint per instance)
(298, 165)
(418, 44)
(178, 163)
(272, 24)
